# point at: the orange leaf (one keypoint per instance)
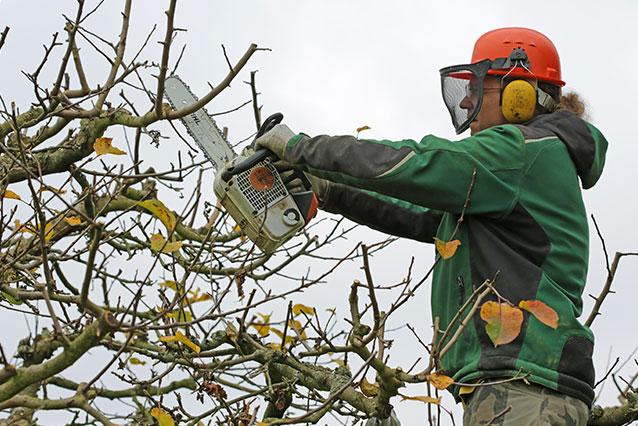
(10, 194)
(73, 220)
(426, 399)
(103, 146)
(503, 322)
(446, 249)
(541, 312)
(439, 381)
(369, 389)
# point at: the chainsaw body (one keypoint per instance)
(257, 199)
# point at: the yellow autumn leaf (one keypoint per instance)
(10, 194)
(446, 249)
(196, 297)
(439, 381)
(33, 231)
(73, 220)
(231, 332)
(237, 228)
(426, 399)
(163, 418)
(160, 211)
(262, 329)
(369, 389)
(52, 189)
(299, 308)
(103, 146)
(170, 284)
(297, 325)
(136, 361)
(179, 337)
(158, 243)
(183, 316)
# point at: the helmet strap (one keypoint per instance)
(544, 99)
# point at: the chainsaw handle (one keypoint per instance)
(247, 164)
(257, 158)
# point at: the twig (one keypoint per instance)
(607, 288)
(95, 243)
(121, 46)
(373, 298)
(463, 324)
(69, 49)
(170, 16)
(256, 107)
(608, 373)
(502, 413)
(283, 337)
(171, 115)
(3, 36)
(602, 240)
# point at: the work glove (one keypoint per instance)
(393, 420)
(321, 187)
(275, 140)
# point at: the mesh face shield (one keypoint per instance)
(462, 89)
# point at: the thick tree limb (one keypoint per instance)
(90, 337)
(615, 416)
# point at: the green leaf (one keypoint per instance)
(11, 299)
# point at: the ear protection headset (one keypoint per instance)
(521, 57)
(519, 97)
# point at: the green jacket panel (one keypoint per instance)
(525, 220)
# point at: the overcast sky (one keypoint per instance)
(336, 65)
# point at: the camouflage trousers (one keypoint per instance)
(530, 405)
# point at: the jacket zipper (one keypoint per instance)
(461, 286)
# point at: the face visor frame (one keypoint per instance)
(456, 81)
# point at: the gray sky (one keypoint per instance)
(335, 66)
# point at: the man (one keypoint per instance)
(525, 219)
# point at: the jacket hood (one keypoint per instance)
(585, 143)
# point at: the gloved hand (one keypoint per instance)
(275, 140)
(320, 187)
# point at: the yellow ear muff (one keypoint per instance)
(518, 101)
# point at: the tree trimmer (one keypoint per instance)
(248, 186)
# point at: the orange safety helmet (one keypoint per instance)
(542, 54)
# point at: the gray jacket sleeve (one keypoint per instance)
(385, 214)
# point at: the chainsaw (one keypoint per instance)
(248, 186)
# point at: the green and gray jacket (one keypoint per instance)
(525, 220)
